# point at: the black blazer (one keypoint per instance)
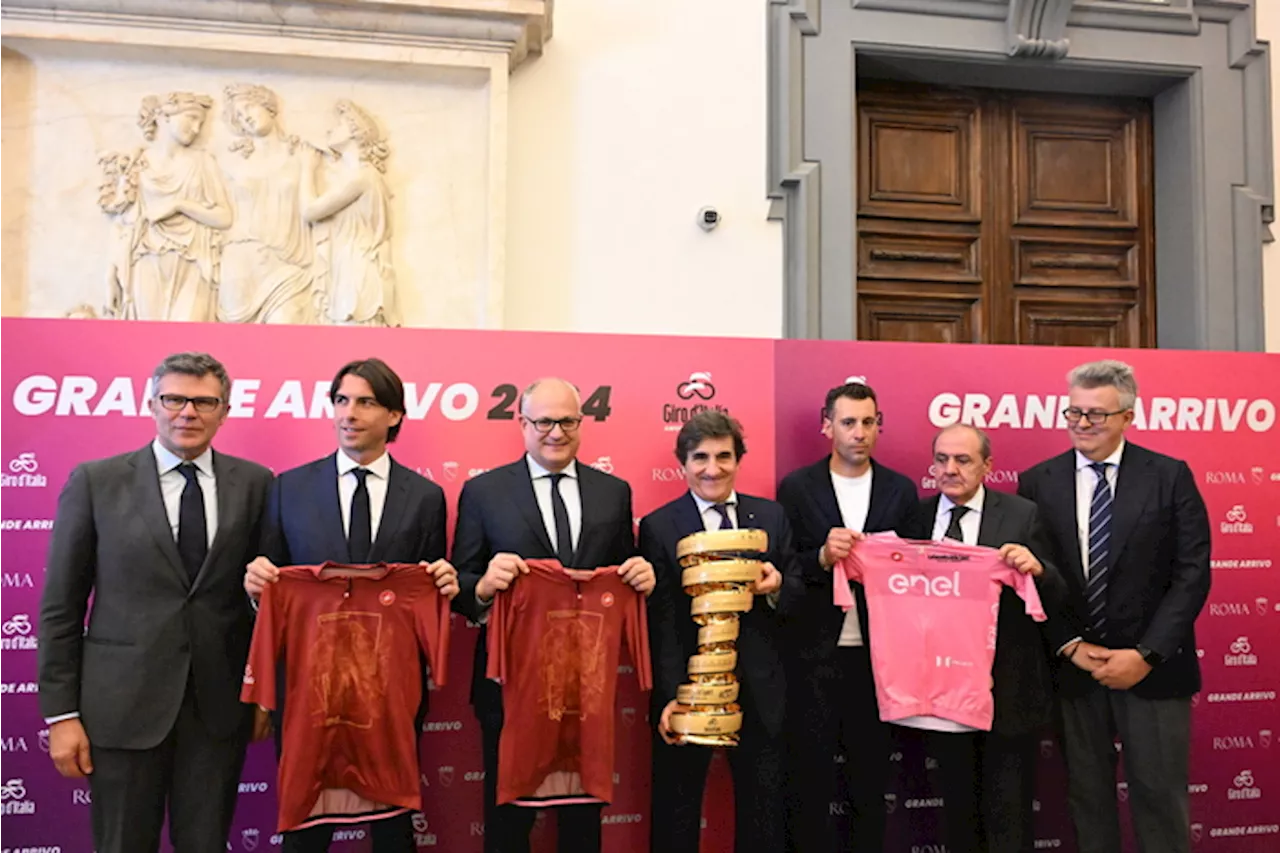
(498, 512)
(1159, 576)
(813, 622)
(1023, 686)
(150, 625)
(673, 635)
(303, 526)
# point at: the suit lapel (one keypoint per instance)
(824, 494)
(929, 514)
(526, 501)
(588, 484)
(329, 507)
(1133, 487)
(879, 499)
(146, 486)
(1060, 496)
(989, 521)
(227, 482)
(392, 510)
(688, 519)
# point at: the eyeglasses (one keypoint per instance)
(545, 425)
(1093, 416)
(177, 402)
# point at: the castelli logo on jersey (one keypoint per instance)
(896, 556)
(607, 599)
(387, 598)
(941, 586)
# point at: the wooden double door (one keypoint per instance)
(996, 217)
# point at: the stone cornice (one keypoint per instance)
(516, 28)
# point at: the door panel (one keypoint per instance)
(990, 217)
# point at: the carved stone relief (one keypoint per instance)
(275, 229)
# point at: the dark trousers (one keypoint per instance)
(831, 702)
(1008, 770)
(1156, 739)
(507, 827)
(197, 774)
(680, 778)
(957, 754)
(389, 835)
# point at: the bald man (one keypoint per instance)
(969, 512)
(542, 506)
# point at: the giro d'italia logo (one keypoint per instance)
(693, 396)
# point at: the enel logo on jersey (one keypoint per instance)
(942, 585)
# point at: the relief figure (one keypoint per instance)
(171, 210)
(350, 205)
(266, 257)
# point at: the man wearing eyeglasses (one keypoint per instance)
(1129, 531)
(359, 506)
(545, 506)
(145, 702)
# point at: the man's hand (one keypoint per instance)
(69, 749)
(1119, 669)
(638, 572)
(503, 569)
(258, 574)
(1083, 656)
(664, 724)
(770, 580)
(446, 577)
(1021, 558)
(838, 545)
(261, 723)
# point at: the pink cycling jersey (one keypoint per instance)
(933, 608)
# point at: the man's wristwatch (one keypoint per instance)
(1152, 657)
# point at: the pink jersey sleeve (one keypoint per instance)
(1025, 586)
(844, 571)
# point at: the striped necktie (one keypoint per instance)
(1099, 550)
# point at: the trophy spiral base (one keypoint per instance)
(719, 569)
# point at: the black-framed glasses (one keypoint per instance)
(177, 402)
(544, 426)
(1093, 416)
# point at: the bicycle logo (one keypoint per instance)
(20, 624)
(25, 463)
(13, 790)
(699, 385)
(1244, 780)
(1237, 513)
(1241, 646)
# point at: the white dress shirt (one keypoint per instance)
(853, 497)
(569, 493)
(1086, 481)
(376, 484)
(712, 520)
(172, 482)
(969, 524)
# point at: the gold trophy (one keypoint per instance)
(719, 568)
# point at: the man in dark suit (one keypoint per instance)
(709, 448)
(542, 506)
(828, 503)
(360, 506)
(1130, 533)
(146, 701)
(1003, 760)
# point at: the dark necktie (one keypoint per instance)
(726, 521)
(1099, 550)
(360, 525)
(564, 537)
(953, 529)
(193, 534)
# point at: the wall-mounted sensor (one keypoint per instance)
(708, 218)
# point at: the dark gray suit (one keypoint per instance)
(1022, 686)
(156, 676)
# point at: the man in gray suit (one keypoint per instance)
(145, 702)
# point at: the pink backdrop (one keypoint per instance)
(72, 391)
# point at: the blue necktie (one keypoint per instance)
(726, 523)
(193, 536)
(1099, 550)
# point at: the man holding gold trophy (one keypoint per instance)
(714, 642)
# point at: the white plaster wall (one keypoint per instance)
(639, 113)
